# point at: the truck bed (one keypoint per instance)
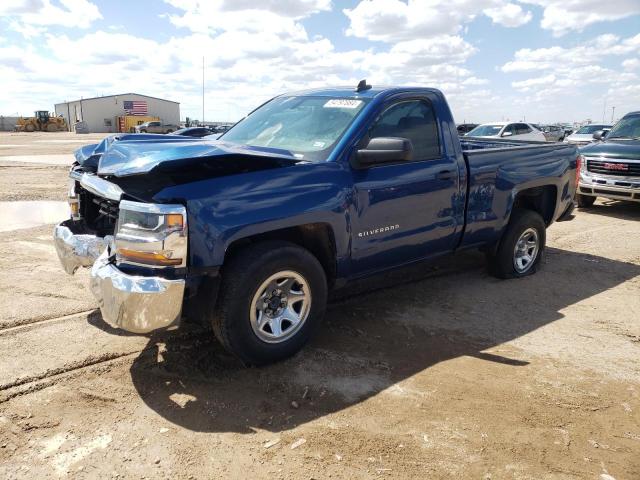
(475, 143)
(498, 169)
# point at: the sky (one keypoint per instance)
(536, 60)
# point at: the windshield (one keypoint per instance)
(308, 127)
(485, 131)
(628, 127)
(588, 129)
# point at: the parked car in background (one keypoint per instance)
(156, 127)
(610, 168)
(584, 135)
(465, 128)
(312, 190)
(553, 133)
(220, 128)
(517, 131)
(196, 132)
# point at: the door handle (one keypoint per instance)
(445, 175)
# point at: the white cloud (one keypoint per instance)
(564, 16)
(589, 52)
(631, 64)
(26, 15)
(286, 8)
(509, 15)
(250, 54)
(534, 82)
(396, 20)
(213, 16)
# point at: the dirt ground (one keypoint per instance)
(442, 372)
(44, 143)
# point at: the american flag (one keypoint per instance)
(135, 107)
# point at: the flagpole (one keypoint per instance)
(203, 90)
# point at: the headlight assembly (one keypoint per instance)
(151, 234)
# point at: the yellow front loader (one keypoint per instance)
(43, 121)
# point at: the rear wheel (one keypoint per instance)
(272, 299)
(521, 247)
(585, 201)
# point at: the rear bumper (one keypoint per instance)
(137, 304)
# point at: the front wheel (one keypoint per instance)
(521, 247)
(585, 201)
(272, 299)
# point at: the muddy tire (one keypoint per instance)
(585, 201)
(521, 247)
(29, 127)
(272, 299)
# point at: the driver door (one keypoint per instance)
(408, 210)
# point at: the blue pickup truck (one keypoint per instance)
(310, 191)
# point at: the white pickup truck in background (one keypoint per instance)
(156, 127)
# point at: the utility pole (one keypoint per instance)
(203, 90)
(613, 109)
(604, 110)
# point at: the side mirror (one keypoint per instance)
(385, 150)
(507, 134)
(599, 135)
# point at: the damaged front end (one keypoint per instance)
(134, 239)
(128, 276)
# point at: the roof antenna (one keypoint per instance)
(362, 86)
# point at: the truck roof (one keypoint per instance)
(350, 92)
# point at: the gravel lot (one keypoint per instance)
(442, 372)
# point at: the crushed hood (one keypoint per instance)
(138, 156)
(89, 156)
(144, 164)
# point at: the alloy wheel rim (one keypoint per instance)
(526, 250)
(280, 306)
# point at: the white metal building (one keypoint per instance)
(100, 113)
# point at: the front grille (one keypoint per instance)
(614, 167)
(99, 214)
(107, 208)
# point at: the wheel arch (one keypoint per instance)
(541, 199)
(317, 238)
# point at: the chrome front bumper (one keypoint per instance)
(133, 303)
(77, 250)
(616, 188)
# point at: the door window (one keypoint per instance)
(522, 128)
(510, 128)
(414, 120)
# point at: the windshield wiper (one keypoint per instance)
(624, 137)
